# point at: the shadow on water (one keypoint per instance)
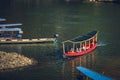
(69, 65)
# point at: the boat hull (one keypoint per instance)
(71, 54)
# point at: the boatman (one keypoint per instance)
(56, 36)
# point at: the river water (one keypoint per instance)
(44, 18)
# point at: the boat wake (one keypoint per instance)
(102, 44)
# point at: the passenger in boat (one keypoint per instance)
(77, 50)
(80, 49)
(91, 42)
(72, 50)
(83, 48)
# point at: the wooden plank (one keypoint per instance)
(27, 41)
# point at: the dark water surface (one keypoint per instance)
(43, 19)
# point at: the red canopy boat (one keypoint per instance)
(80, 45)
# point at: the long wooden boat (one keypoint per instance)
(27, 41)
(80, 45)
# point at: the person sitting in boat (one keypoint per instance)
(83, 48)
(72, 50)
(77, 50)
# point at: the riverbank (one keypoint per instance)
(14, 60)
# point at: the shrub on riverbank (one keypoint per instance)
(14, 60)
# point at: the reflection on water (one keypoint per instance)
(18, 47)
(69, 68)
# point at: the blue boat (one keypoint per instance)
(92, 74)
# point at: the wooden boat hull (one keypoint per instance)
(70, 54)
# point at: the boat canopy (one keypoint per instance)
(10, 29)
(82, 38)
(8, 25)
(2, 19)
